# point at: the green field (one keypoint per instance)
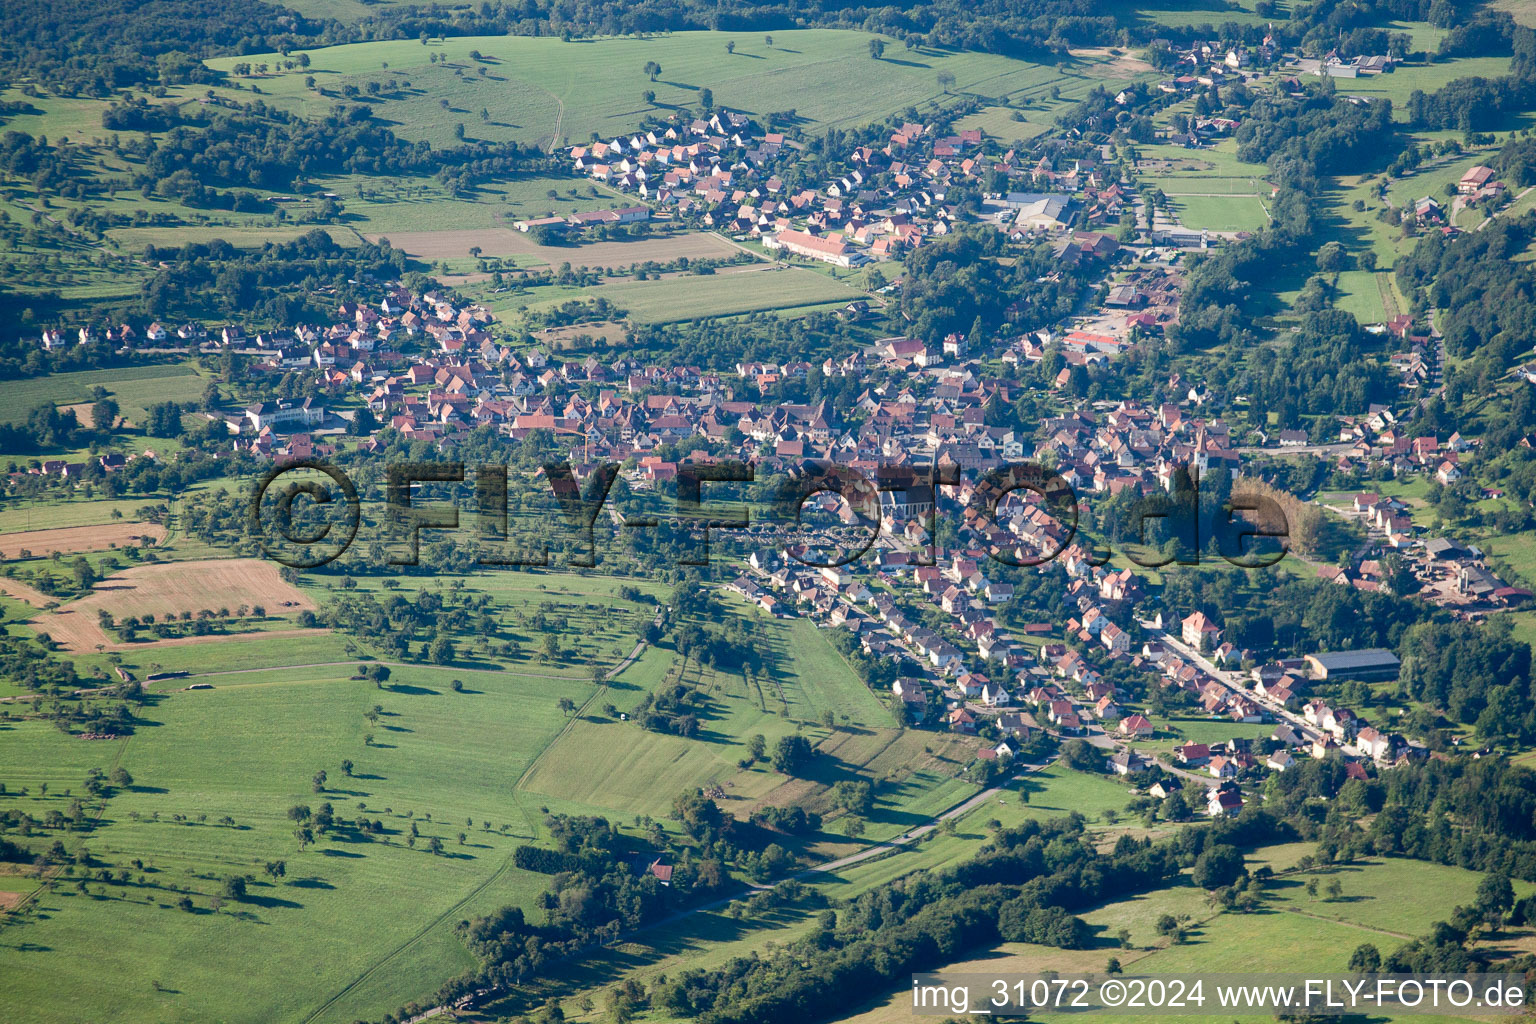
(585, 612)
(1220, 213)
(1400, 84)
(537, 89)
(1384, 902)
(1008, 124)
(454, 756)
(380, 206)
(134, 388)
(368, 924)
(686, 297)
(1186, 13)
(19, 516)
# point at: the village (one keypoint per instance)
(431, 368)
(919, 411)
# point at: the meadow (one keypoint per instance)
(1187, 13)
(134, 387)
(486, 762)
(686, 297)
(543, 90)
(1384, 901)
(586, 614)
(23, 515)
(452, 756)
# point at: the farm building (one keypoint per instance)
(802, 243)
(1372, 663)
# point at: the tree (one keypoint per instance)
(1495, 895)
(1335, 889)
(441, 651)
(1366, 959)
(706, 98)
(853, 826)
(946, 81)
(435, 846)
(700, 816)
(652, 70)
(730, 46)
(876, 48)
(757, 746)
(768, 40)
(648, 97)
(1332, 257)
(346, 767)
(104, 415)
(319, 781)
(567, 706)
(854, 796)
(276, 869)
(1080, 755)
(234, 887)
(1218, 866)
(791, 753)
(122, 780)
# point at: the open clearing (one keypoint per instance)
(533, 87)
(134, 387)
(1383, 899)
(169, 588)
(610, 333)
(78, 538)
(435, 245)
(345, 906)
(684, 298)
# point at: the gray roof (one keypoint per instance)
(1371, 657)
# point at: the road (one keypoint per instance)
(1333, 448)
(1233, 682)
(1508, 206)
